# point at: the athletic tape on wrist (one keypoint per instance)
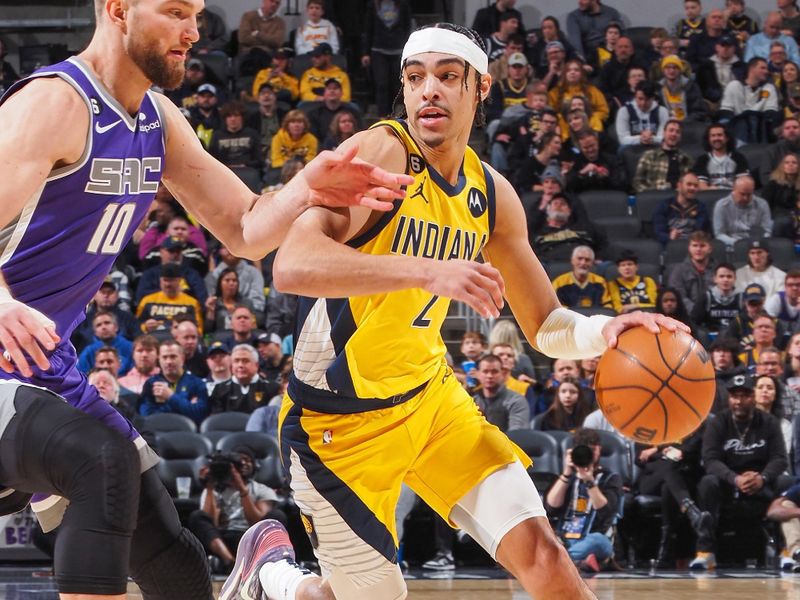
(567, 334)
(5, 295)
(434, 39)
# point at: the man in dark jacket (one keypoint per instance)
(744, 456)
(594, 170)
(714, 73)
(563, 231)
(695, 274)
(245, 391)
(677, 218)
(487, 20)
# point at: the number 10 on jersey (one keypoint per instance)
(112, 229)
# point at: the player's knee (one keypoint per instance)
(390, 586)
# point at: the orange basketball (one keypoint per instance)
(655, 389)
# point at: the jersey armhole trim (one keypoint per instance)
(161, 117)
(491, 201)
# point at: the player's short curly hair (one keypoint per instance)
(399, 105)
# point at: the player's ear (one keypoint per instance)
(117, 11)
(486, 85)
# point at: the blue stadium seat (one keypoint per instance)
(167, 422)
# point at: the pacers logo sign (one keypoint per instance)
(476, 202)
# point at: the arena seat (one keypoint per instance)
(756, 155)
(646, 250)
(619, 227)
(543, 451)
(692, 134)
(646, 269)
(220, 67)
(615, 454)
(605, 203)
(640, 37)
(646, 204)
(167, 422)
(182, 444)
(781, 250)
(677, 250)
(630, 158)
(229, 422)
(269, 471)
(710, 199)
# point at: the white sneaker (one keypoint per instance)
(443, 561)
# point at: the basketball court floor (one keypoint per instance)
(19, 583)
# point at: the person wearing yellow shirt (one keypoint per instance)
(630, 291)
(286, 86)
(293, 140)
(574, 83)
(312, 81)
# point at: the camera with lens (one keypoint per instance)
(582, 456)
(219, 467)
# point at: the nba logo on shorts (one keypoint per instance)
(327, 436)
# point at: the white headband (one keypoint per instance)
(434, 39)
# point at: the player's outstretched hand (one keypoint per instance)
(479, 285)
(651, 321)
(24, 330)
(337, 179)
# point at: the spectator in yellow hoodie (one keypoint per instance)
(312, 81)
(286, 86)
(293, 140)
(574, 83)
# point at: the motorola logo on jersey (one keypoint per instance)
(476, 202)
(117, 176)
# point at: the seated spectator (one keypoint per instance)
(552, 72)
(587, 23)
(320, 114)
(106, 333)
(783, 188)
(505, 332)
(741, 25)
(243, 328)
(775, 63)
(715, 309)
(762, 338)
(613, 79)
(767, 393)
(285, 85)
(677, 218)
(511, 89)
(630, 291)
(185, 332)
(550, 31)
(204, 116)
(716, 72)
(669, 47)
(592, 169)
(344, 125)
(701, 46)
(108, 388)
(220, 306)
(218, 361)
(228, 508)
(788, 144)
(473, 346)
(171, 253)
(281, 313)
(251, 281)
(744, 456)
(574, 83)
(641, 121)
(789, 88)
(563, 368)
(633, 76)
(580, 288)
(691, 24)
(503, 408)
(751, 108)
(264, 419)
(213, 35)
(721, 164)
(528, 176)
(195, 75)
(261, 32)
(586, 501)
(145, 363)
(741, 214)
(695, 274)
(786, 510)
(156, 310)
(662, 167)
(741, 327)
(499, 67)
(568, 409)
(235, 145)
(271, 358)
(671, 472)
(174, 390)
(724, 353)
(507, 25)
(314, 80)
(605, 51)
(520, 125)
(759, 269)
(246, 390)
(293, 140)
(563, 230)
(652, 53)
(191, 255)
(315, 30)
(166, 209)
(578, 120)
(771, 362)
(670, 303)
(759, 44)
(679, 94)
(508, 358)
(106, 299)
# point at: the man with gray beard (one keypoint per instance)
(562, 231)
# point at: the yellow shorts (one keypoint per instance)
(352, 466)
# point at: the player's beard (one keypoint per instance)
(156, 67)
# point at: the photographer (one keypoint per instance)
(585, 499)
(230, 503)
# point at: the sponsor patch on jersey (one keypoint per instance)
(476, 202)
(308, 525)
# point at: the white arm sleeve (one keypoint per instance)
(567, 334)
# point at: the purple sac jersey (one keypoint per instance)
(56, 253)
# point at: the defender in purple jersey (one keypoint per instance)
(79, 171)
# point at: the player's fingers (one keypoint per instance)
(385, 193)
(375, 204)
(490, 271)
(41, 328)
(38, 337)
(5, 364)
(482, 301)
(345, 155)
(380, 176)
(493, 287)
(13, 353)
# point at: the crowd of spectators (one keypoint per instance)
(704, 115)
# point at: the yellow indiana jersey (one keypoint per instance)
(384, 345)
(642, 292)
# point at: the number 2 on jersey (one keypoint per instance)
(422, 319)
(112, 230)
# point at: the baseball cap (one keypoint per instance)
(108, 282)
(207, 88)
(627, 254)
(333, 80)
(553, 172)
(195, 63)
(754, 292)
(757, 245)
(269, 338)
(323, 48)
(218, 346)
(171, 271)
(554, 44)
(741, 381)
(518, 58)
(726, 40)
(283, 53)
(671, 60)
(172, 243)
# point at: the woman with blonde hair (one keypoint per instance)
(293, 140)
(505, 333)
(783, 187)
(574, 83)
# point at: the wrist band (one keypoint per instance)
(5, 294)
(567, 334)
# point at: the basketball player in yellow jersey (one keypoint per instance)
(371, 402)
